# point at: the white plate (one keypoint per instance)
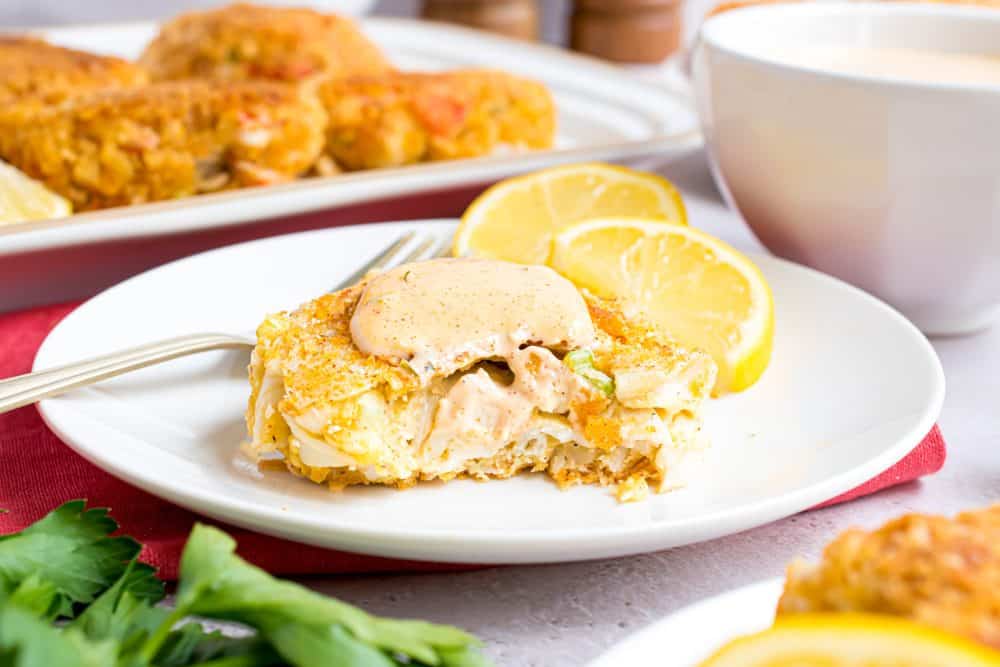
(840, 403)
(604, 114)
(694, 633)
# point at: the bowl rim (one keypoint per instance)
(708, 36)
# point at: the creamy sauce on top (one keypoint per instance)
(440, 314)
(895, 62)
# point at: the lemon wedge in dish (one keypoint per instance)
(701, 291)
(517, 219)
(23, 198)
(852, 640)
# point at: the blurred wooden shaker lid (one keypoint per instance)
(513, 18)
(628, 31)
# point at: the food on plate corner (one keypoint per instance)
(921, 591)
(941, 571)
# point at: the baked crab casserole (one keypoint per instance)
(474, 368)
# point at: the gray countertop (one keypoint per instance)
(555, 615)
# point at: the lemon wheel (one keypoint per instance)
(700, 290)
(852, 640)
(23, 198)
(517, 219)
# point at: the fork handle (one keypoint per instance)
(24, 389)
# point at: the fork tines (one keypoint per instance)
(427, 246)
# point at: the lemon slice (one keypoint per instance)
(852, 640)
(517, 219)
(23, 198)
(697, 288)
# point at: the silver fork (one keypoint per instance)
(24, 389)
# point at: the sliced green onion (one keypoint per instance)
(578, 358)
(581, 362)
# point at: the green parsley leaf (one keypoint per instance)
(70, 549)
(191, 644)
(114, 614)
(317, 644)
(463, 657)
(67, 563)
(35, 596)
(29, 641)
(215, 582)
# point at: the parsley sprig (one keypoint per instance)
(74, 596)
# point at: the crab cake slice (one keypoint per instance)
(405, 118)
(474, 368)
(244, 41)
(937, 570)
(164, 141)
(31, 68)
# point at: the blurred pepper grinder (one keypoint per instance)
(513, 18)
(626, 31)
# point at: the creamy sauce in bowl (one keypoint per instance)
(894, 62)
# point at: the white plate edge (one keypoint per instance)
(631, 645)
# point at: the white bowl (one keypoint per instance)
(892, 185)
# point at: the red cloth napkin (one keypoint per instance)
(38, 472)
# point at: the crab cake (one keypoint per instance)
(474, 368)
(163, 141)
(404, 118)
(937, 570)
(244, 41)
(33, 69)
